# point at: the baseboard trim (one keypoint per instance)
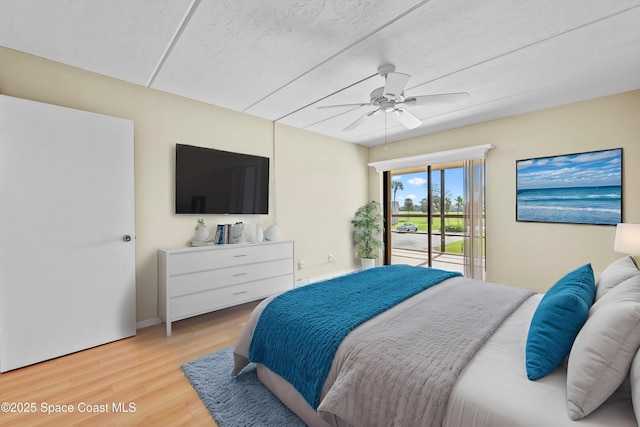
(148, 322)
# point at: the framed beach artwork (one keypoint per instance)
(581, 188)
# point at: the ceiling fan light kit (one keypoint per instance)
(390, 98)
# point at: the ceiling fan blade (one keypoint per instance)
(406, 118)
(394, 84)
(360, 120)
(443, 98)
(343, 105)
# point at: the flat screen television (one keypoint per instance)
(210, 181)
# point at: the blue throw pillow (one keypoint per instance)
(557, 320)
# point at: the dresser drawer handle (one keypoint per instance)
(239, 274)
(239, 293)
(239, 256)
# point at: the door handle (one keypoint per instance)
(126, 238)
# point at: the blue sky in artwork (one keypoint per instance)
(599, 168)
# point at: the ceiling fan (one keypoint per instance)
(390, 98)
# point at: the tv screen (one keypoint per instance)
(210, 181)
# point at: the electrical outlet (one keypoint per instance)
(300, 264)
(331, 259)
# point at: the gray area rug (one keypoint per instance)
(236, 401)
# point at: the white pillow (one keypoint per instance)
(616, 273)
(629, 290)
(601, 356)
(596, 367)
(635, 384)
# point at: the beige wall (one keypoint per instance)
(308, 167)
(320, 183)
(535, 255)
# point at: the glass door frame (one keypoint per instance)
(430, 214)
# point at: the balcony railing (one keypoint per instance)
(449, 241)
(412, 247)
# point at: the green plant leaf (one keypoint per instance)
(368, 224)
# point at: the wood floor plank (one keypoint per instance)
(143, 371)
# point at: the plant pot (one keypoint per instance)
(201, 234)
(368, 263)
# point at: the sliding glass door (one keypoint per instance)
(408, 217)
(426, 219)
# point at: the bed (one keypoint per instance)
(389, 369)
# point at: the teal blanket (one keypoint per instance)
(299, 331)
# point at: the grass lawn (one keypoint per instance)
(454, 247)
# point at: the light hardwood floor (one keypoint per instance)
(143, 370)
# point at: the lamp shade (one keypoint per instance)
(627, 239)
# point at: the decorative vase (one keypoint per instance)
(259, 232)
(272, 233)
(368, 263)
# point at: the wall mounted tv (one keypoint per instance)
(210, 181)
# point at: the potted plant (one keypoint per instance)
(201, 234)
(367, 223)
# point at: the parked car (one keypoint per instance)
(407, 226)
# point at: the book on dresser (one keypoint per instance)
(197, 280)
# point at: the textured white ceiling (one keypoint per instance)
(281, 59)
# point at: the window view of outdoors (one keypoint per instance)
(410, 214)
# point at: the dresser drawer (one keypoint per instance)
(193, 281)
(194, 304)
(227, 256)
(212, 279)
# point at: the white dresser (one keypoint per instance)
(193, 281)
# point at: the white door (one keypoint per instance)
(67, 271)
